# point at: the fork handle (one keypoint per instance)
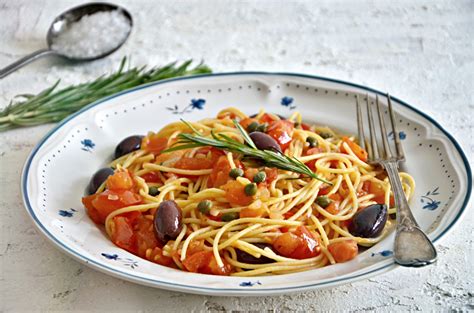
(412, 247)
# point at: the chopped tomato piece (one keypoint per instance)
(286, 243)
(235, 193)
(145, 236)
(281, 131)
(195, 246)
(298, 245)
(312, 164)
(220, 172)
(215, 153)
(267, 118)
(194, 164)
(333, 208)
(123, 235)
(288, 214)
(204, 262)
(91, 210)
(366, 186)
(217, 218)
(154, 143)
(305, 126)
(336, 197)
(250, 212)
(250, 172)
(343, 251)
(101, 205)
(378, 191)
(157, 256)
(272, 174)
(215, 269)
(151, 177)
(358, 151)
(120, 180)
(169, 158)
(324, 190)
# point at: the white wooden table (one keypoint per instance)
(420, 51)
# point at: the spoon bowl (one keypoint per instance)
(60, 27)
(72, 16)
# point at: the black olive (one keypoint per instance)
(244, 257)
(369, 222)
(168, 221)
(128, 145)
(98, 178)
(264, 141)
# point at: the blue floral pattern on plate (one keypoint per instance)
(87, 145)
(195, 104)
(66, 213)
(384, 253)
(249, 283)
(428, 202)
(402, 135)
(287, 101)
(125, 261)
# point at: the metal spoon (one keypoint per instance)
(62, 23)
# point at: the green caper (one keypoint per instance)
(252, 127)
(262, 128)
(227, 217)
(312, 141)
(250, 189)
(323, 201)
(297, 125)
(260, 177)
(236, 172)
(153, 191)
(325, 135)
(204, 206)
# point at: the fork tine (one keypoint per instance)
(360, 127)
(398, 144)
(373, 139)
(386, 147)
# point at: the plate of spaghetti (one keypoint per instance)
(237, 184)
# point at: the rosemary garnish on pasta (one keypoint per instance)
(267, 157)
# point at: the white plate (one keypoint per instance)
(61, 165)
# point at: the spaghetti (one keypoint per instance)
(234, 215)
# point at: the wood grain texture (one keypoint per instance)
(420, 51)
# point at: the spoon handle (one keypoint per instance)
(23, 61)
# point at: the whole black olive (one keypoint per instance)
(264, 141)
(98, 178)
(128, 145)
(168, 221)
(244, 257)
(369, 222)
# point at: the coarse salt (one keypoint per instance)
(93, 35)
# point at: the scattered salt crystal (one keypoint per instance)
(93, 35)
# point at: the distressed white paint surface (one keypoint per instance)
(421, 51)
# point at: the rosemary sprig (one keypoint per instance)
(52, 105)
(268, 157)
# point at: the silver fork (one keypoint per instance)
(412, 247)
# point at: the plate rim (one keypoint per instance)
(103, 267)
